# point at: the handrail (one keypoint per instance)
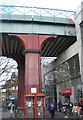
(78, 10)
(27, 10)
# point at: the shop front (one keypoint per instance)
(66, 79)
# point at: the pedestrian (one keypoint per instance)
(7, 102)
(10, 108)
(78, 111)
(15, 108)
(66, 109)
(52, 107)
(74, 110)
(81, 105)
(60, 105)
(70, 107)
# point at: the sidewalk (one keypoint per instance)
(5, 114)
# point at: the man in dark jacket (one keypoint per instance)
(60, 105)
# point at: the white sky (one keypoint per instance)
(56, 4)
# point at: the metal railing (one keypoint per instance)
(27, 10)
(78, 10)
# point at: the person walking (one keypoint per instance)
(70, 107)
(52, 107)
(74, 109)
(81, 105)
(15, 108)
(10, 108)
(60, 105)
(66, 109)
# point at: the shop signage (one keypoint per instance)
(66, 91)
(33, 90)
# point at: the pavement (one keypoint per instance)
(5, 114)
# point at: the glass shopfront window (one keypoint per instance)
(66, 75)
(62, 73)
(50, 87)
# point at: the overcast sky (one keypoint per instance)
(56, 4)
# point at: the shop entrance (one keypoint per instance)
(67, 98)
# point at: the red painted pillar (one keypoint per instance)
(21, 90)
(32, 65)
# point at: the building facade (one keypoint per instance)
(63, 78)
(64, 81)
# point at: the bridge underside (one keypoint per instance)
(55, 46)
(29, 64)
(52, 47)
(11, 45)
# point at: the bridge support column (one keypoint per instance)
(33, 65)
(21, 90)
